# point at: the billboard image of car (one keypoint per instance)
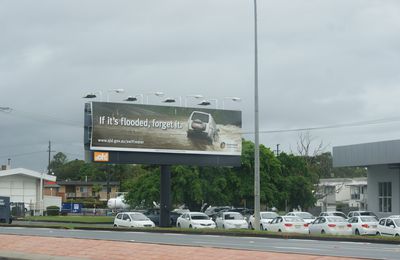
(165, 129)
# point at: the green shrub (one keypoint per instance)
(53, 211)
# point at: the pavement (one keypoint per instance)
(13, 247)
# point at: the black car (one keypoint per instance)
(154, 215)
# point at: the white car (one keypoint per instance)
(288, 224)
(201, 124)
(364, 225)
(330, 225)
(195, 220)
(229, 220)
(361, 213)
(304, 215)
(333, 214)
(265, 218)
(389, 226)
(132, 219)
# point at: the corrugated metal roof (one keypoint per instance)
(27, 172)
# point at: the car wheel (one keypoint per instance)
(261, 227)
(179, 225)
(357, 232)
(322, 232)
(397, 235)
(378, 233)
(251, 226)
(190, 226)
(223, 226)
(279, 230)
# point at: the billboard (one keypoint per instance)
(164, 129)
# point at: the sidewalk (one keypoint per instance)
(48, 248)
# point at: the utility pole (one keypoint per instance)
(49, 151)
(277, 150)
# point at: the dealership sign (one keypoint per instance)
(164, 129)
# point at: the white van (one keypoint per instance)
(201, 124)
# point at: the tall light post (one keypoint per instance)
(93, 95)
(158, 94)
(193, 96)
(206, 102)
(173, 100)
(256, 130)
(236, 99)
(116, 90)
(134, 98)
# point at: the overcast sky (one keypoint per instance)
(321, 63)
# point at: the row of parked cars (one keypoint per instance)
(334, 223)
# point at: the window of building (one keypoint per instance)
(83, 189)
(355, 192)
(385, 196)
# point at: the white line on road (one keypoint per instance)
(297, 248)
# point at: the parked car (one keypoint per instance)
(304, 215)
(333, 225)
(230, 220)
(333, 214)
(201, 124)
(288, 224)
(195, 220)
(361, 213)
(364, 225)
(132, 219)
(265, 218)
(389, 226)
(154, 215)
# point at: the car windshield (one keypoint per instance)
(304, 215)
(293, 219)
(269, 215)
(138, 217)
(202, 117)
(233, 216)
(198, 216)
(369, 219)
(339, 214)
(336, 219)
(367, 213)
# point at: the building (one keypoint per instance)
(24, 186)
(382, 160)
(85, 189)
(350, 193)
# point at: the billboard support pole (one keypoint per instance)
(165, 195)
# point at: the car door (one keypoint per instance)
(390, 227)
(219, 220)
(184, 221)
(126, 220)
(118, 219)
(314, 226)
(382, 226)
(272, 226)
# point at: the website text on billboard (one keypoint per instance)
(166, 129)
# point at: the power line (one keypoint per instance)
(342, 125)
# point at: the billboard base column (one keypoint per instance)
(165, 196)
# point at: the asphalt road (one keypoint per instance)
(326, 248)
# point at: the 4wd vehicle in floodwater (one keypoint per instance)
(201, 124)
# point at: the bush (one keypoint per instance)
(53, 211)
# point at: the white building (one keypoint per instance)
(351, 192)
(24, 186)
(382, 160)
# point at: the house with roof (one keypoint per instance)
(348, 192)
(25, 187)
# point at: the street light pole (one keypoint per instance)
(256, 130)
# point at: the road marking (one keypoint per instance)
(172, 234)
(355, 243)
(132, 240)
(296, 248)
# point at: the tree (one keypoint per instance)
(59, 159)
